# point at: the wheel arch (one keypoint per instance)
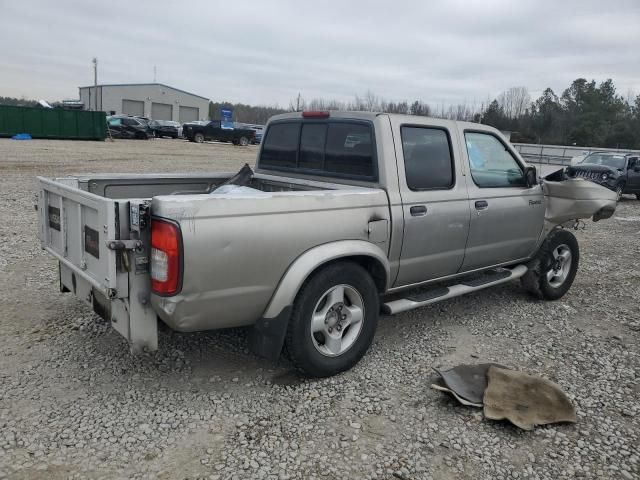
(366, 254)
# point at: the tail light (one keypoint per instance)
(165, 257)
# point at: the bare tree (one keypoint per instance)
(514, 102)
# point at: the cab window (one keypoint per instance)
(427, 158)
(491, 163)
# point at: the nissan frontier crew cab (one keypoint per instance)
(347, 215)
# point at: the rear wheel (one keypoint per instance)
(552, 272)
(244, 141)
(638, 196)
(198, 138)
(333, 321)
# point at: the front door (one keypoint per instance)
(633, 175)
(434, 201)
(506, 217)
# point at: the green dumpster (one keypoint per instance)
(55, 123)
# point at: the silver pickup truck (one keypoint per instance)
(347, 215)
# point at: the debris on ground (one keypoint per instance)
(525, 400)
(466, 383)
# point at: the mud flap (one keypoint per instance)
(266, 338)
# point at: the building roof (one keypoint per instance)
(143, 84)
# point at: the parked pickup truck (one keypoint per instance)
(214, 131)
(347, 215)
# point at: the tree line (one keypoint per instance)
(585, 113)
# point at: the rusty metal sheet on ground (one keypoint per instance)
(525, 400)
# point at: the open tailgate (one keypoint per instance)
(103, 251)
(76, 227)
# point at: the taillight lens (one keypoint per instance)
(165, 257)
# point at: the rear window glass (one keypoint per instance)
(281, 146)
(349, 149)
(427, 158)
(325, 148)
(312, 142)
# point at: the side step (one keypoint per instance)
(470, 284)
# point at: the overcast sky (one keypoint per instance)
(448, 51)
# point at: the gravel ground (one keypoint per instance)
(75, 404)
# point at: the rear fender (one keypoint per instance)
(310, 260)
(267, 336)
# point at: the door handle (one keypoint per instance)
(418, 210)
(482, 204)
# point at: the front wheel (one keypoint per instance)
(637, 196)
(198, 138)
(554, 268)
(244, 141)
(333, 321)
(619, 190)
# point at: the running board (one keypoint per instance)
(468, 285)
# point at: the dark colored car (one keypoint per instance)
(214, 131)
(616, 171)
(259, 130)
(125, 126)
(165, 128)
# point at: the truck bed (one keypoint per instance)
(234, 247)
(123, 186)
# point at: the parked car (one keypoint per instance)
(348, 214)
(213, 131)
(616, 171)
(125, 126)
(165, 128)
(259, 131)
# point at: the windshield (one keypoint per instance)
(608, 160)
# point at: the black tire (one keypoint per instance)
(637, 196)
(198, 138)
(619, 191)
(536, 280)
(301, 346)
(243, 142)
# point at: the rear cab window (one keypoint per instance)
(428, 162)
(332, 148)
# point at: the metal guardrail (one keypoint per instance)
(559, 154)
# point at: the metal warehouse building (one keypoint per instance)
(153, 100)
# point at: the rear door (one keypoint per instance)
(434, 200)
(506, 217)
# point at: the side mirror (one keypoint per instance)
(530, 176)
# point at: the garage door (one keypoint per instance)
(133, 107)
(161, 111)
(188, 114)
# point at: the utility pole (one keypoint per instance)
(95, 83)
(298, 103)
(154, 74)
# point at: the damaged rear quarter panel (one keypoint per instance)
(238, 247)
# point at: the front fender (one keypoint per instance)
(313, 258)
